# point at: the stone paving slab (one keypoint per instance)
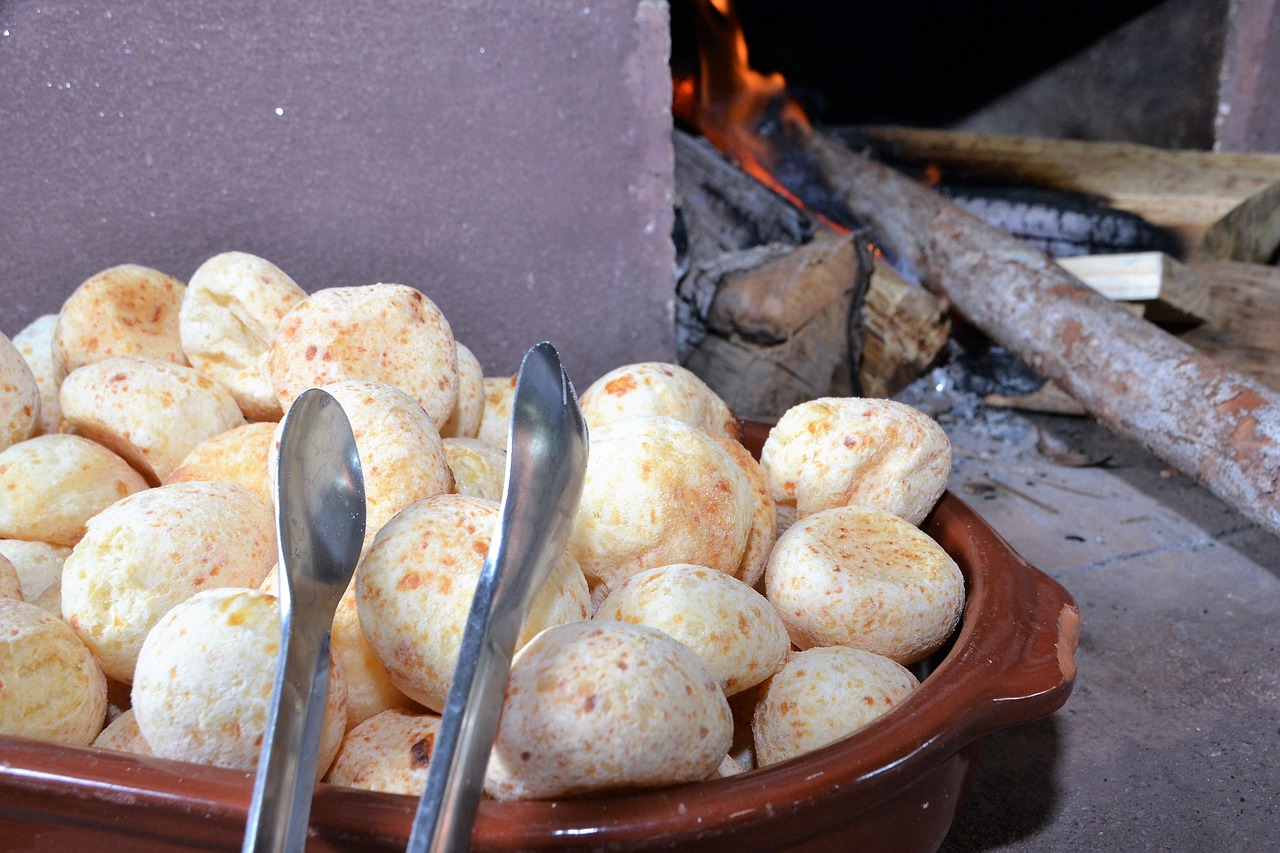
(1171, 739)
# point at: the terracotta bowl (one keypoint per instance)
(896, 785)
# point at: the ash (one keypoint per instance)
(952, 395)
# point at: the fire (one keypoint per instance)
(748, 116)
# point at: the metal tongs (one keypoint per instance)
(546, 463)
(320, 517)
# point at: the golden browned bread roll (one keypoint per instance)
(837, 451)
(657, 388)
(125, 310)
(150, 412)
(821, 695)
(388, 333)
(861, 577)
(601, 705)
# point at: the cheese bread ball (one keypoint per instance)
(837, 451)
(387, 333)
(51, 485)
(239, 455)
(731, 626)
(38, 564)
(464, 420)
(658, 491)
(764, 521)
(35, 342)
(657, 388)
(402, 456)
(862, 577)
(822, 695)
(123, 735)
(51, 688)
(150, 412)
(495, 419)
(602, 705)
(124, 310)
(204, 681)
(10, 583)
(19, 396)
(479, 467)
(388, 753)
(150, 551)
(234, 303)
(415, 585)
(370, 690)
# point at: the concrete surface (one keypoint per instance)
(513, 161)
(1171, 739)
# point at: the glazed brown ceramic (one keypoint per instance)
(894, 786)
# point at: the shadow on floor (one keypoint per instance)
(1015, 792)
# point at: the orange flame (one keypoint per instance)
(730, 102)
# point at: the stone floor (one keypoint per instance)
(1171, 738)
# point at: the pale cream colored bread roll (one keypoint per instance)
(35, 342)
(50, 686)
(233, 305)
(204, 679)
(150, 412)
(658, 491)
(837, 451)
(143, 555)
(822, 695)
(388, 752)
(861, 577)
(123, 735)
(495, 418)
(464, 420)
(415, 585)
(19, 396)
(479, 467)
(38, 564)
(51, 485)
(401, 453)
(125, 310)
(657, 388)
(370, 690)
(764, 521)
(735, 631)
(387, 333)
(602, 705)
(10, 583)
(239, 455)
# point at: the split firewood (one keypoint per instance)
(1212, 423)
(1221, 206)
(1165, 291)
(1243, 328)
(732, 226)
(779, 332)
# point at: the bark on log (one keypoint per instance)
(1212, 423)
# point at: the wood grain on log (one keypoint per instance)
(1214, 424)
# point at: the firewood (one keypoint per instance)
(1221, 206)
(1243, 330)
(1212, 423)
(779, 330)
(732, 223)
(1167, 291)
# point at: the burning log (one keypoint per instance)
(875, 332)
(1212, 423)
